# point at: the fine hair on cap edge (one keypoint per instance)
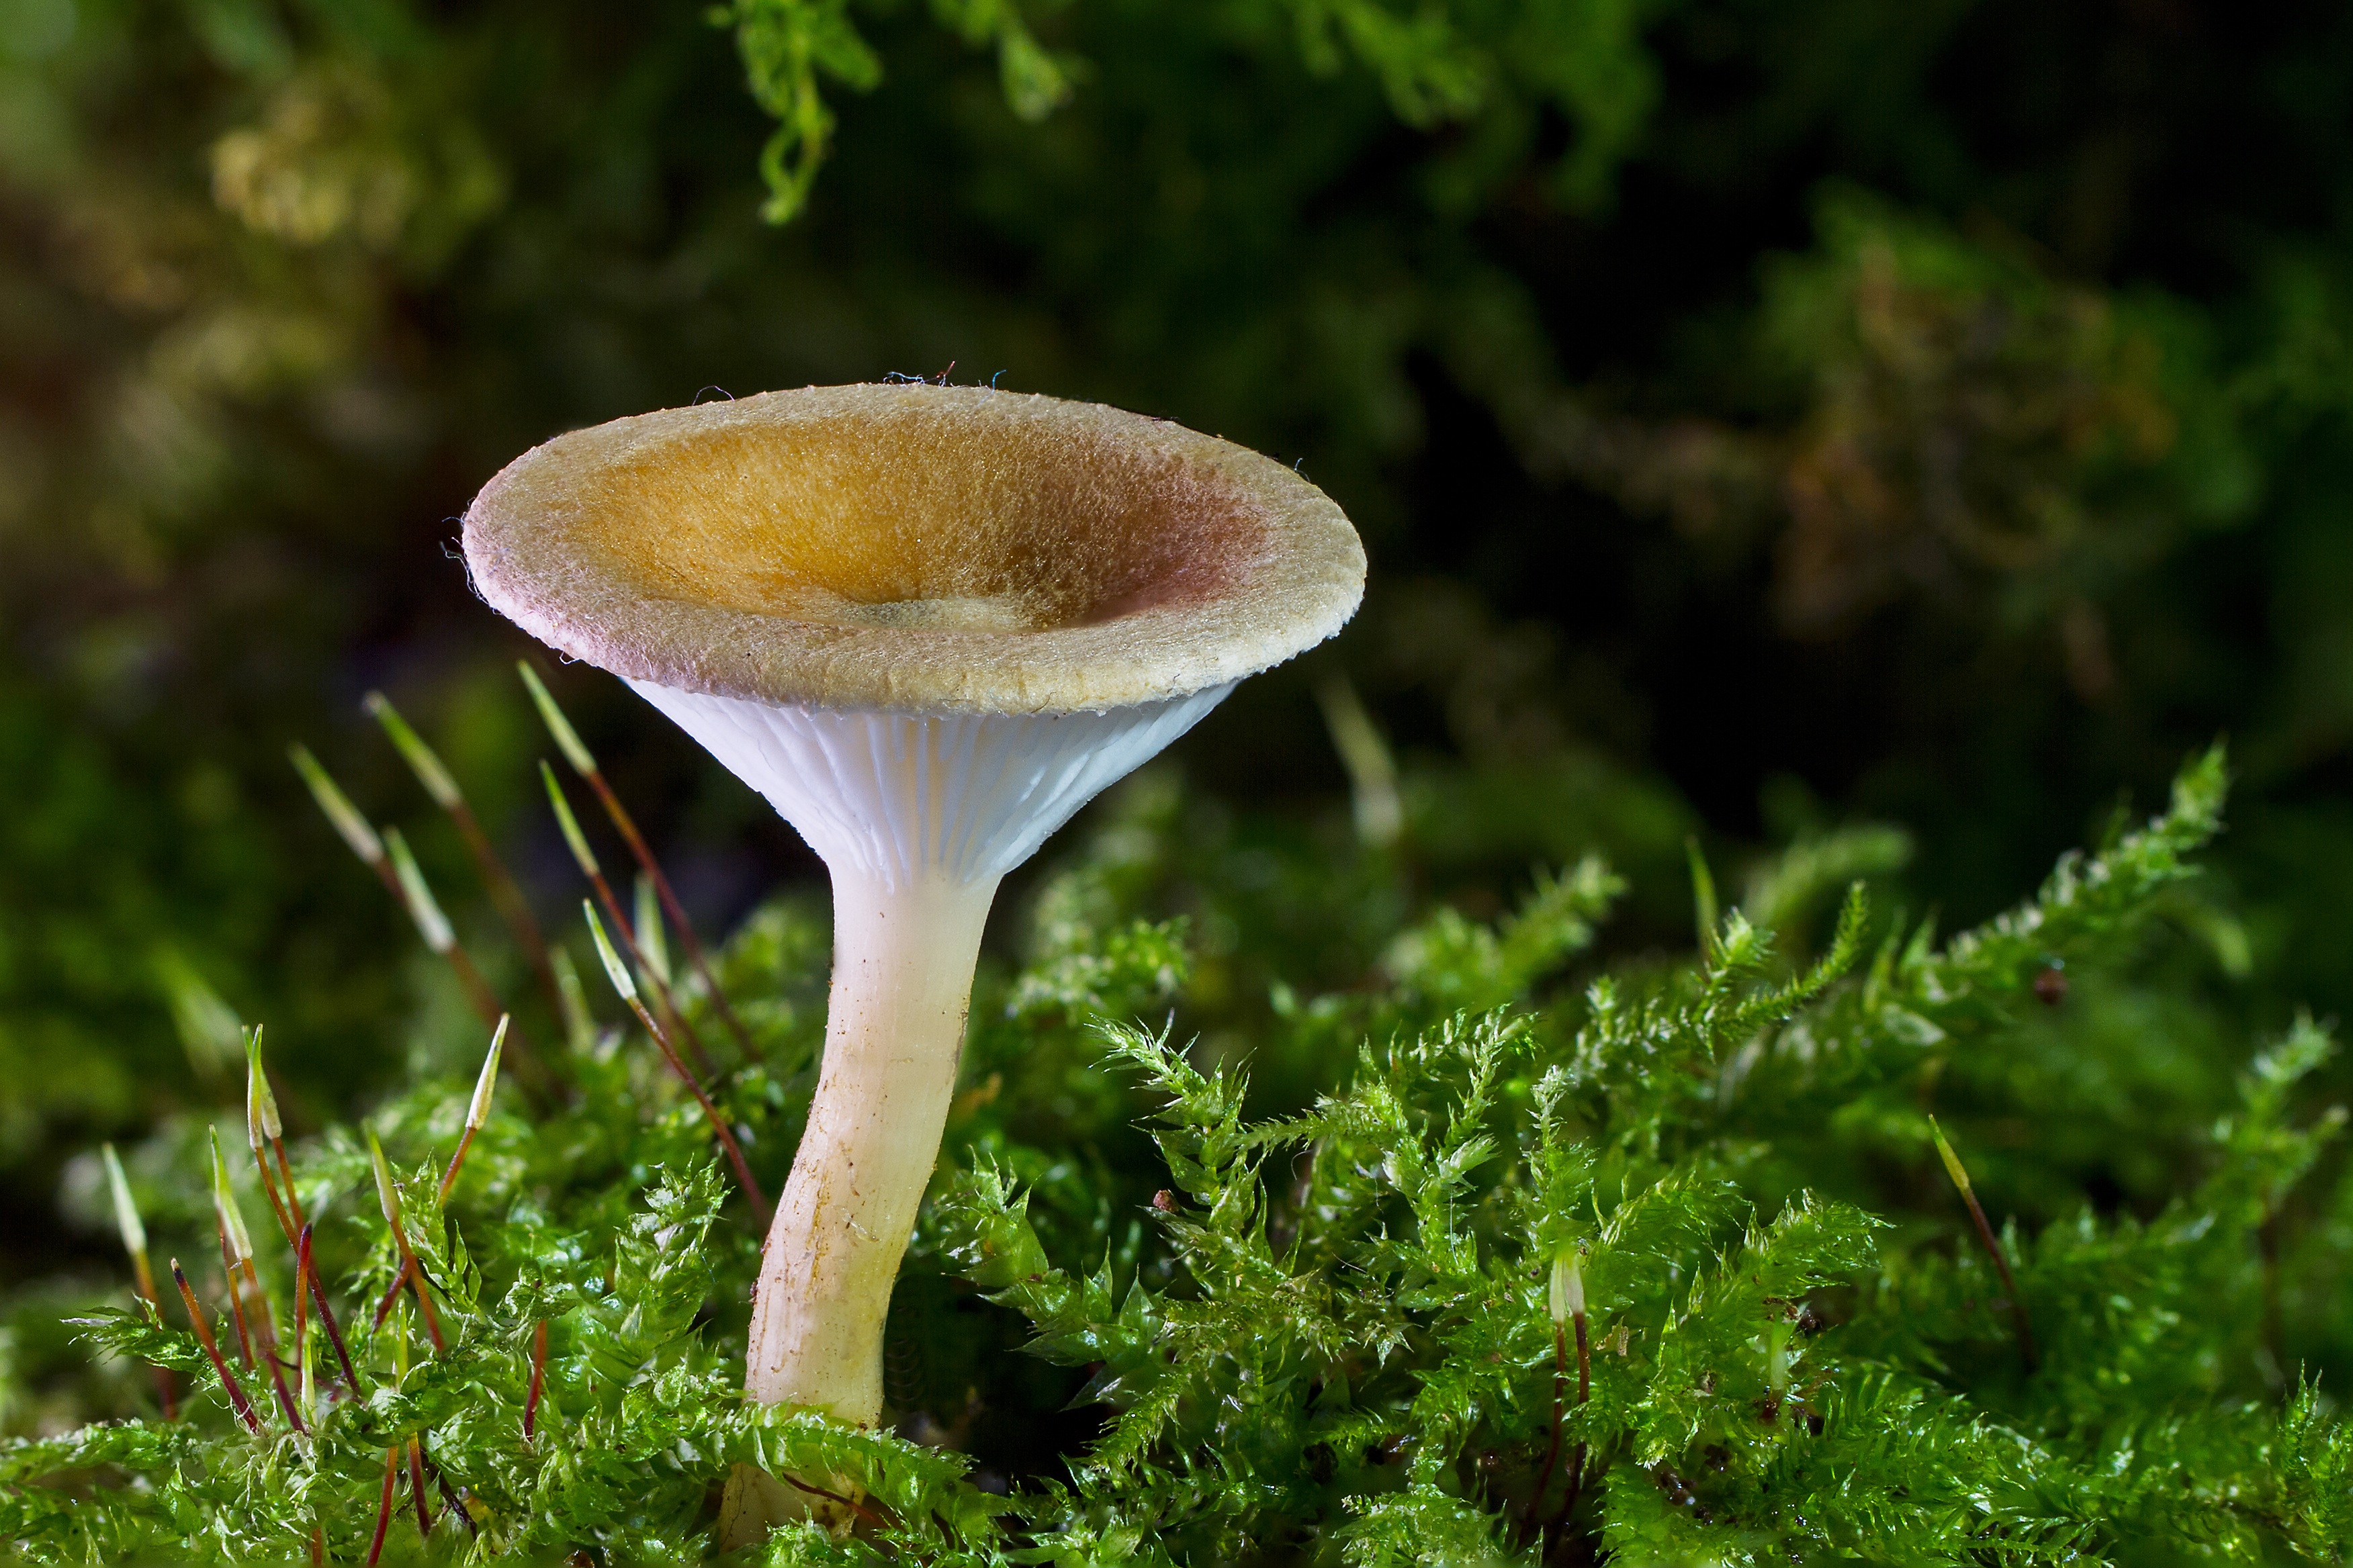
(918, 548)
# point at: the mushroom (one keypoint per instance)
(929, 624)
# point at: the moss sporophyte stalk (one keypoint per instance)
(928, 624)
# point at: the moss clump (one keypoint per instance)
(1523, 1254)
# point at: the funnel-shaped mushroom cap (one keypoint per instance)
(928, 623)
(923, 549)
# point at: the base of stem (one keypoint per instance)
(755, 1502)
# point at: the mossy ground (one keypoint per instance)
(1153, 1313)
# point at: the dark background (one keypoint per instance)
(1826, 411)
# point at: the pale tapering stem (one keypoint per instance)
(902, 966)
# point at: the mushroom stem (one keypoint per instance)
(902, 966)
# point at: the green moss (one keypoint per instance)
(1143, 1321)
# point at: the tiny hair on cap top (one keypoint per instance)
(919, 548)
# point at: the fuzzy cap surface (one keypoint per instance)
(914, 547)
